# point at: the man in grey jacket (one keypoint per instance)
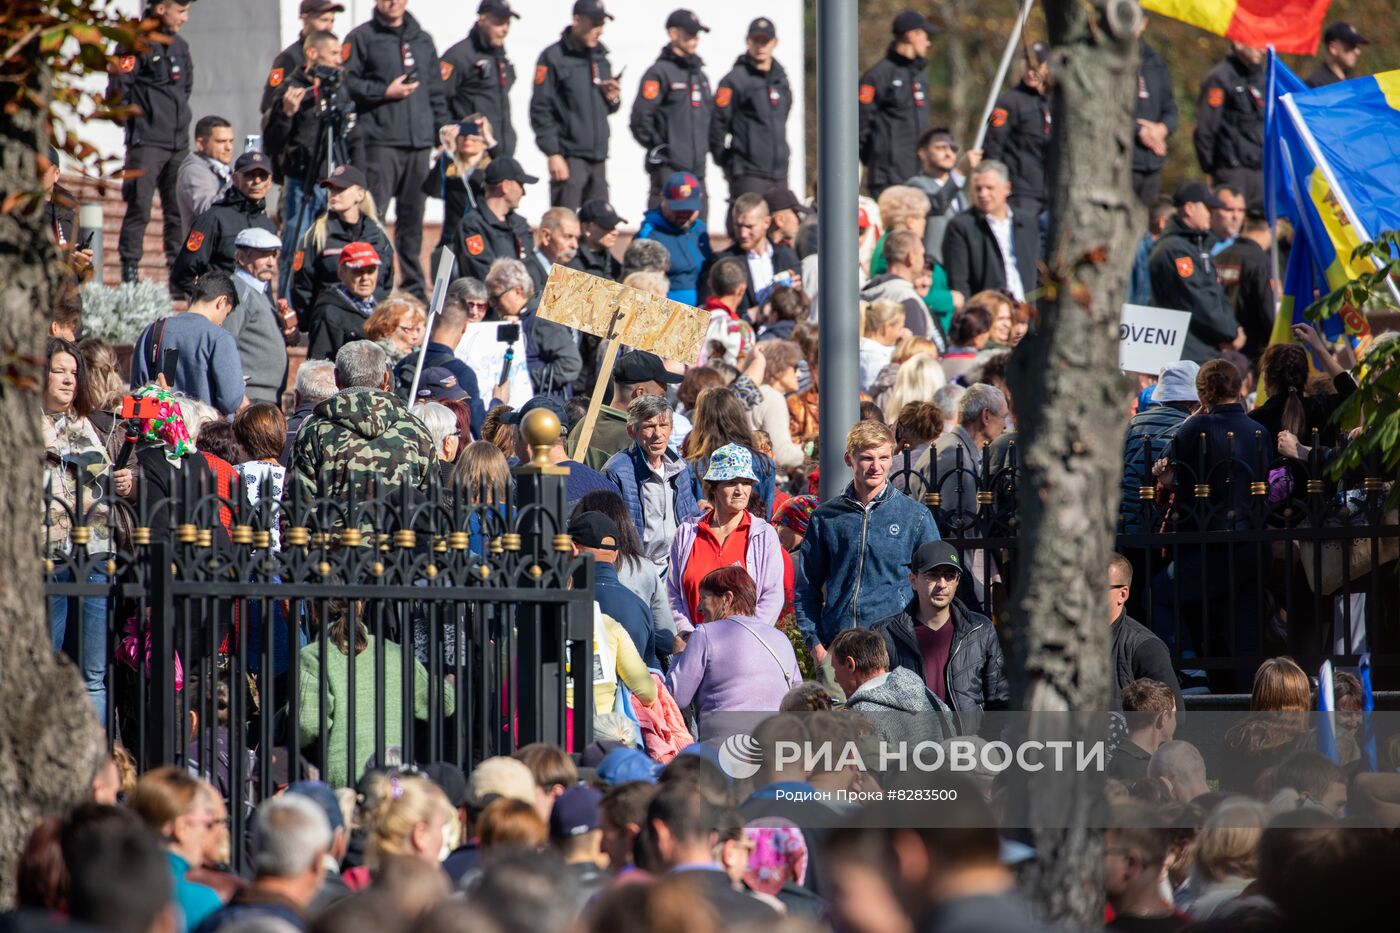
(904, 255)
(206, 172)
(262, 331)
(896, 701)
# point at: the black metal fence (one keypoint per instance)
(1236, 556)
(259, 642)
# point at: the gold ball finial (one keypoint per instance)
(541, 429)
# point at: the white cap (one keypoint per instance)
(257, 238)
(1177, 383)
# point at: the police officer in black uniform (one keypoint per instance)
(574, 94)
(316, 16)
(478, 75)
(1183, 276)
(1229, 135)
(1155, 119)
(597, 236)
(210, 243)
(157, 82)
(391, 69)
(1018, 133)
(894, 104)
(748, 135)
(494, 230)
(1343, 47)
(671, 115)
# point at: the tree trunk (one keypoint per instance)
(50, 740)
(1070, 411)
(957, 66)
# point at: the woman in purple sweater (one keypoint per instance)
(733, 662)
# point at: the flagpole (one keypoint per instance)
(1002, 69)
(1270, 195)
(1325, 167)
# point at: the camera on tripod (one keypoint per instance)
(329, 77)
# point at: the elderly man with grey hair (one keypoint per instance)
(363, 439)
(1181, 766)
(258, 324)
(990, 246)
(550, 350)
(656, 484)
(291, 837)
(315, 383)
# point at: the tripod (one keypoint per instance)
(309, 202)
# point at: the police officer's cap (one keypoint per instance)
(593, 9)
(686, 20)
(599, 212)
(763, 28)
(344, 177)
(317, 7)
(910, 20)
(507, 169)
(253, 161)
(1344, 32)
(497, 8)
(1194, 191)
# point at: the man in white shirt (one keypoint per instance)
(767, 265)
(990, 246)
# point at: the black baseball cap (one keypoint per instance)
(499, 8)
(593, 9)
(932, 554)
(1189, 191)
(343, 177)
(783, 199)
(547, 402)
(599, 212)
(437, 382)
(311, 7)
(1344, 32)
(763, 26)
(252, 161)
(1040, 52)
(909, 20)
(594, 529)
(684, 19)
(641, 366)
(507, 169)
(449, 779)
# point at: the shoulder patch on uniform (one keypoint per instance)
(299, 260)
(1185, 266)
(275, 76)
(723, 96)
(445, 69)
(867, 93)
(999, 116)
(541, 73)
(1215, 96)
(127, 64)
(345, 51)
(475, 244)
(651, 90)
(195, 241)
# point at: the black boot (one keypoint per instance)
(130, 271)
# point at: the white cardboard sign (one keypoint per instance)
(1151, 338)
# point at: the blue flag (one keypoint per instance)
(1366, 735)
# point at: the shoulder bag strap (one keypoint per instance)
(771, 653)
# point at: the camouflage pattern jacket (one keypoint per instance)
(355, 438)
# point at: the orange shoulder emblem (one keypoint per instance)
(445, 69)
(195, 241)
(475, 244)
(275, 76)
(867, 93)
(127, 64)
(1185, 266)
(298, 260)
(1215, 96)
(999, 116)
(651, 90)
(541, 73)
(723, 96)
(345, 51)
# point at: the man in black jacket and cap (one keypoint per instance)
(1018, 133)
(748, 135)
(1183, 276)
(1155, 117)
(210, 244)
(1343, 47)
(953, 649)
(316, 16)
(598, 224)
(894, 104)
(991, 245)
(672, 112)
(494, 230)
(1229, 136)
(392, 71)
(478, 76)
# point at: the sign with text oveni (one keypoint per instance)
(607, 309)
(1151, 338)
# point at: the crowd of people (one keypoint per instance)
(722, 582)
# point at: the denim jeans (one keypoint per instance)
(93, 660)
(300, 211)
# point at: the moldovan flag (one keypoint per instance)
(1292, 26)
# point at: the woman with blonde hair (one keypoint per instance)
(780, 359)
(397, 325)
(1226, 858)
(350, 217)
(905, 348)
(919, 377)
(106, 385)
(881, 326)
(178, 808)
(403, 814)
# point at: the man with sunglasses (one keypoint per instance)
(1137, 652)
(953, 649)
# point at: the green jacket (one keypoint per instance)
(609, 436)
(340, 771)
(358, 435)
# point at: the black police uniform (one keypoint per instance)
(1322, 77)
(1183, 278)
(210, 243)
(317, 267)
(486, 238)
(1018, 134)
(478, 79)
(399, 134)
(158, 81)
(287, 63)
(601, 263)
(671, 118)
(295, 144)
(59, 215)
(569, 114)
(1246, 274)
(1155, 102)
(1229, 135)
(748, 135)
(893, 112)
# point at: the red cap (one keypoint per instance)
(359, 256)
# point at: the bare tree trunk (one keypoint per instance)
(957, 63)
(50, 740)
(1070, 413)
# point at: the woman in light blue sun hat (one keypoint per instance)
(730, 532)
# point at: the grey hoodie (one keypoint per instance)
(902, 708)
(916, 317)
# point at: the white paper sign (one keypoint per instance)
(1151, 338)
(486, 355)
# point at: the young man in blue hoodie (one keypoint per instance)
(856, 555)
(678, 226)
